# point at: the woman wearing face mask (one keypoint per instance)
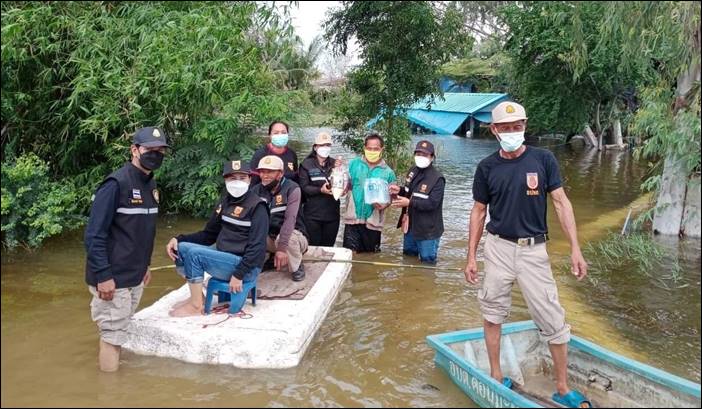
(321, 210)
(421, 200)
(239, 226)
(278, 131)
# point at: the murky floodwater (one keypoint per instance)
(370, 351)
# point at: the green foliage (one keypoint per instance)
(33, 207)
(676, 133)
(663, 37)
(545, 44)
(403, 46)
(78, 78)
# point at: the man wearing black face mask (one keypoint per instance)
(119, 240)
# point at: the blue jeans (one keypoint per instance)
(194, 259)
(427, 250)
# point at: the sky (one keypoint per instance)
(307, 20)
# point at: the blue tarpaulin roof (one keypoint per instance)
(445, 115)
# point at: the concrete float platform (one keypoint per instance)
(277, 335)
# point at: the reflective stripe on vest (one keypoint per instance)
(420, 195)
(237, 222)
(126, 210)
(318, 178)
(278, 209)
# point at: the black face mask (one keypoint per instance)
(271, 186)
(151, 160)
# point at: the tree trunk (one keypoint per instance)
(618, 139)
(691, 215)
(671, 203)
(668, 215)
(590, 138)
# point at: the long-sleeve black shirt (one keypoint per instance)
(97, 231)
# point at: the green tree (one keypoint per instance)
(403, 46)
(78, 78)
(662, 37)
(560, 94)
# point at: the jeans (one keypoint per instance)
(194, 259)
(426, 249)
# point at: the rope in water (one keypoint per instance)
(372, 263)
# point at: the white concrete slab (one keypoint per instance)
(276, 337)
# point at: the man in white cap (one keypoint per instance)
(287, 235)
(514, 182)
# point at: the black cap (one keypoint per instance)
(236, 166)
(150, 137)
(425, 146)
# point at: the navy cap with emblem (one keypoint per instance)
(150, 137)
(236, 166)
(425, 146)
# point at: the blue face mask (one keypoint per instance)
(511, 141)
(279, 140)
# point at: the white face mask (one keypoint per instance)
(237, 188)
(511, 141)
(422, 161)
(324, 151)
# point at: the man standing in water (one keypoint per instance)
(119, 240)
(514, 182)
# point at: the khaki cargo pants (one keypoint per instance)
(506, 262)
(297, 246)
(113, 317)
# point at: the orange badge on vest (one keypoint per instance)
(532, 180)
(290, 165)
(279, 199)
(423, 189)
(237, 211)
(157, 198)
(219, 209)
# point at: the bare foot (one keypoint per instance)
(180, 304)
(186, 310)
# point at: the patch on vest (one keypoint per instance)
(237, 211)
(409, 177)
(279, 200)
(219, 209)
(423, 188)
(136, 197)
(157, 196)
(290, 165)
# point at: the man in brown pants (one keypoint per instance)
(514, 182)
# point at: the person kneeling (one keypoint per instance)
(239, 227)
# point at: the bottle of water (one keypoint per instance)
(339, 180)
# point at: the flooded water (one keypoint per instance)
(371, 349)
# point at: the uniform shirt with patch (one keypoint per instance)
(515, 191)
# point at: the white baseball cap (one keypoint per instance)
(271, 162)
(508, 111)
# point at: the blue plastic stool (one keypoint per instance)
(223, 294)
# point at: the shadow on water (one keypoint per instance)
(370, 351)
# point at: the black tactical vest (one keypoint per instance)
(424, 225)
(131, 237)
(235, 215)
(278, 203)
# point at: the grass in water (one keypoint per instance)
(635, 251)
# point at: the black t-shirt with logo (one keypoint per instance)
(515, 191)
